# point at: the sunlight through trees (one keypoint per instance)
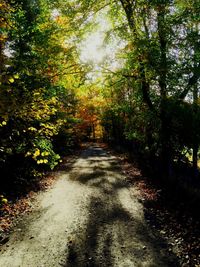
(123, 71)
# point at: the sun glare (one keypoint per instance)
(92, 50)
(98, 53)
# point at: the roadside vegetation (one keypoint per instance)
(147, 104)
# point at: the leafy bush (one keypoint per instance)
(43, 154)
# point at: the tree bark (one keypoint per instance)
(195, 141)
(165, 127)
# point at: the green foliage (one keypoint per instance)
(184, 123)
(37, 98)
(153, 98)
(42, 153)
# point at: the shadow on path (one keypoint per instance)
(116, 233)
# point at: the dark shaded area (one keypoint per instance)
(15, 183)
(14, 180)
(181, 189)
(175, 211)
(110, 226)
(93, 151)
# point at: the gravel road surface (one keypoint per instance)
(91, 217)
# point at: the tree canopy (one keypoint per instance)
(143, 91)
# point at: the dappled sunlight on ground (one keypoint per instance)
(90, 218)
(116, 233)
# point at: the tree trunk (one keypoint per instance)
(165, 129)
(195, 104)
(195, 141)
(93, 131)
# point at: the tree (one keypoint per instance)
(37, 95)
(161, 72)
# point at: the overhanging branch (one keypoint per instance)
(192, 81)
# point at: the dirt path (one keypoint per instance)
(91, 217)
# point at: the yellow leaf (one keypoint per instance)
(32, 129)
(4, 201)
(36, 154)
(11, 80)
(16, 76)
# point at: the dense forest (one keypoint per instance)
(144, 97)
